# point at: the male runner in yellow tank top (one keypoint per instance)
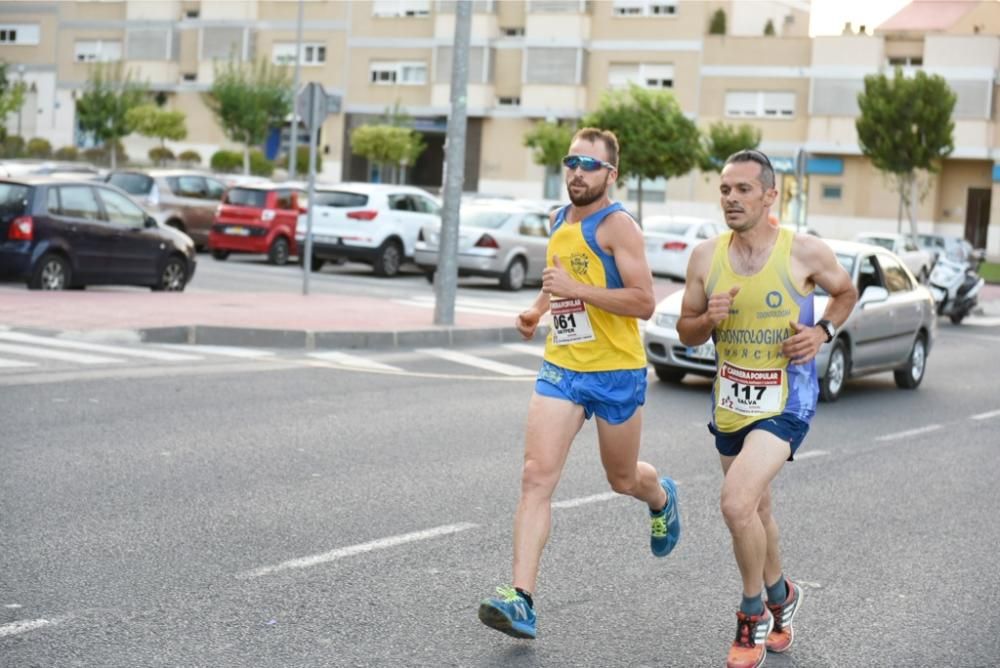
(751, 290)
(596, 284)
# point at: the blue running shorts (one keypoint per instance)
(613, 395)
(786, 427)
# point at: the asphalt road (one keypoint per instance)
(294, 512)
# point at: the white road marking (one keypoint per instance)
(811, 453)
(478, 362)
(15, 364)
(910, 432)
(583, 500)
(80, 358)
(340, 553)
(353, 361)
(464, 306)
(981, 321)
(985, 416)
(96, 347)
(15, 628)
(527, 348)
(227, 351)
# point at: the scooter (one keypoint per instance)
(956, 286)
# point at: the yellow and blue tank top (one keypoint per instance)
(617, 344)
(754, 380)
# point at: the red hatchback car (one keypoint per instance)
(257, 219)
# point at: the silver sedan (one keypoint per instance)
(507, 241)
(891, 328)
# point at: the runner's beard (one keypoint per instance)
(589, 195)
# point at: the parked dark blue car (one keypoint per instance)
(61, 233)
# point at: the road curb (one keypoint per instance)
(250, 337)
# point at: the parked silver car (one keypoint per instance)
(892, 327)
(500, 240)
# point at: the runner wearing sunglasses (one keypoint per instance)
(596, 285)
(750, 290)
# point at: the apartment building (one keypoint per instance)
(551, 59)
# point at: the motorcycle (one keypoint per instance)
(956, 286)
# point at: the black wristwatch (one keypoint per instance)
(828, 327)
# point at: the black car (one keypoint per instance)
(62, 233)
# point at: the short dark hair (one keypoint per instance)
(606, 136)
(753, 155)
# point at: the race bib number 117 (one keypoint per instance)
(749, 391)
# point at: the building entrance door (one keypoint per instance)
(977, 216)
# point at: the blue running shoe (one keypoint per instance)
(509, 613)
(665, 529)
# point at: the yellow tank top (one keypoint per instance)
(754, 380)
(616, 344)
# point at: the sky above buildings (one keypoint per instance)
(829, 16)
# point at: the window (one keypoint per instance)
(512, 32)
(896, 277)
(215, 189)
(425, 205)
(249, 197)
(339, 199)
(97, 51)
(906, 61)
(534, 225)
(832, 192)
(148, 43)
(188, 186)
(78, 202)
(868, 275)
(313, 53)
(401, 203)
(760, 104)
(647, 75)
(223, 43)
(403, 8)
(508, 101)
(644, 7)
(133, 184)
(21, 34)
(51, 203)
(406, 74)
(120, 210)
(556, 66)
(192, 14)
(190, 76)
(283, 200)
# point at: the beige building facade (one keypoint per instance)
(550, 59)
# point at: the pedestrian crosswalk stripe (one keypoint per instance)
(96, 347)
(478, 307)
(15, 364)
(478, 362)
(63, 356)
(538, 351)
(228, 351)
(353, 361)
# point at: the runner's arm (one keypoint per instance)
(829, 275)
(694, 327)
(623, 238)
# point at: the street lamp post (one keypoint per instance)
(20, 109)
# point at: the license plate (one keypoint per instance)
(705, 351)
(238, 231)
(327, 239)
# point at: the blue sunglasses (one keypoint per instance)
(586, 163)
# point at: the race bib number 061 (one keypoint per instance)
(570, 322)
(749, 391)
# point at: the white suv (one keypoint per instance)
(367, 222)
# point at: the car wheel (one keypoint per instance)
(513, 277)
(669, 374)
(220, 254)
(389, 258)
(316, 264)
(909, 377)
(278, 253)
(957, 318)
(429, 275)
(831, 384)
(52, 273)
(173, 277)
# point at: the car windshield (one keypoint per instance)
(338, 198)
(668, 227)
(133, 184)
(847, 262)
(483, 218)
(246, 197)
(928, 240)
(877, 241)
(13, 201)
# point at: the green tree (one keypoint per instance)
(655, 137)
(769, 28)
(905, 126)
(387, 145)
(11, 97)
(151, 121)
(722, 140)
(717, 24)
(549, 143)
(102, 109)
(248, 99)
